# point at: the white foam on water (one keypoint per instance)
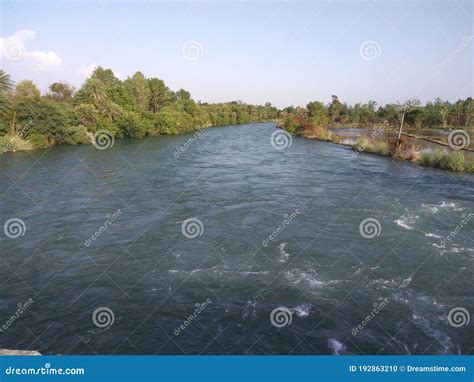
(392, 283)
(435, 208)
(450, 206)
(284, 256)
(429, 234)
(302, 310)
(407, 220)
(297, 276)
(415, 299)
(219, 270)
(336, 346)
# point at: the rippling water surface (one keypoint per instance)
(280, 229)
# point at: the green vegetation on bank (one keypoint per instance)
(437, 114)
(133, 108)
(314, 122)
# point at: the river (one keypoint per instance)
(278, 257)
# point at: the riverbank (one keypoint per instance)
(13, 142)
(445, 158)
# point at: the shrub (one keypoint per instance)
(453, 161)
(381, 148)
(78, 135)
(14, 143)
(131, 125)
(38, 141)
(427, 159)
(3, 128)
(42, 116)
(362, 144)
(469, 166)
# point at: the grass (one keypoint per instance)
(377, 147)
(452, 161)
(14, 143)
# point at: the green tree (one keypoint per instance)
(41, 117)
(6, 84)
(334, 109)
(317, 113)
(160, 95)
(139, 89)
(61, 91)
(26, 89)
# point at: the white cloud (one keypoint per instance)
(44, 58)
(13, 48)
(86, 71)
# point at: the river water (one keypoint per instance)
(273, 262)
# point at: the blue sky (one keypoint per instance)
(282, 52)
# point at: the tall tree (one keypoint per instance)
(137, 86)
(160, 95)
(26, 89)
(61, 91)
(6, 84)
(334, 109)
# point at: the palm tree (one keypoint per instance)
(6, 83)
(111, 110)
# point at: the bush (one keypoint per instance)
(166, 122)
(131, 125)
(362, 144)
(3, 128)
(453, 161)
(381, 148)
(42, 116)
(14, 143)
(427, 159)
(469, 166)
(78, 135)
(38, 141)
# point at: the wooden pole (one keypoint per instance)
(401, 125)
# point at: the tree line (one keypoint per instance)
(140, 106)
(437, 114)
(133, 108)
